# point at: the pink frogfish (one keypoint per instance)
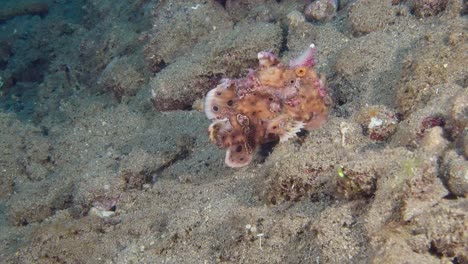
(275, 101)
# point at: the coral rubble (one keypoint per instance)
(274, 101)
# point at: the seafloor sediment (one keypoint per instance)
(105, 156)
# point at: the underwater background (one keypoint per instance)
(105, 155)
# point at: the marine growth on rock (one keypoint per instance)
(273, 102)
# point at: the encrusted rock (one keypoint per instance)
(378, 122)
(121, 77)
(434, 141)
(179, 25)
(459, 113)
(295, 18)
(443, 227)
(228, 53)
(435, 113)
(365, 70)
(321, 10)
(456, 173)
(424, 8)
(367, 16)
(428, 73)
(100, 212)
(423, 188)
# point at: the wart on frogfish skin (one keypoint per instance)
(273, 102)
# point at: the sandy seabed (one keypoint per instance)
(105, 156)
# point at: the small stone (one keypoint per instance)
(455, 38)
(121, 77)
(367, 16)
(423, 198)
(434, 141)
(460, 110)
(321, 10)
(295, 18)
(456, 173)
(419, 243)
(378, 122)
(101, 213)
(198, 105)
(425, 8)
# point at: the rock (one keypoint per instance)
(295, 18)
(179, 26)
(378, 122)
(351, 135)
(436, 112)
(455, 173)
(426, 197)
(444, 227)
(35, 171)
(5, 54)
(366, 70)
(101, 213)
(300, 33)
(419, 243)
(428, 71)
(434, 141)
(23, 217)
(260, 10)
(366, 16)
(423, 188)
(20, 8)
(395, 250)
(228, 54)
(459, 113)
(33, 203)
(121, 77)
(321, 10)
(240, 9)
(181, 83)
(425, 8)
